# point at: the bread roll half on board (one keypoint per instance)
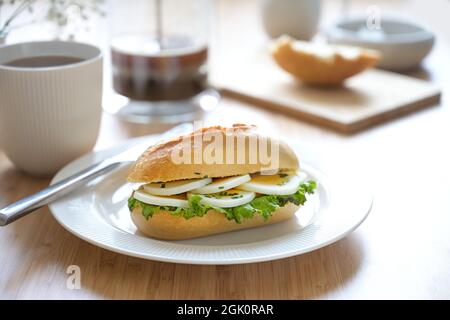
(215, 180)
(322, 64)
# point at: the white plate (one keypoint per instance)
(99, 215)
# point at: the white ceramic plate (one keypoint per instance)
(99, 215)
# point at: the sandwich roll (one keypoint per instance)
(197, 197)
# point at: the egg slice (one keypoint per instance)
(172, 201)
(222, 184)
(226, 199)
(279, 184)
(175, 187)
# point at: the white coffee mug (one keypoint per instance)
(49, 115)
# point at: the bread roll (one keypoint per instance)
(162, 225)
(157, 165)
(321, 64)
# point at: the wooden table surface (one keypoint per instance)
(401, 251)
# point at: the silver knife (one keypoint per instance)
(31, 203)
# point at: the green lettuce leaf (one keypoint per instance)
(264, 205)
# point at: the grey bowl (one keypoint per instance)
(403, 44)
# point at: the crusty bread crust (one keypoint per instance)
(156, 163)
(311, 68)
(162, 225)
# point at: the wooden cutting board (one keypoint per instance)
(371, 98)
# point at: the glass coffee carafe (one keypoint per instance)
(159, 54)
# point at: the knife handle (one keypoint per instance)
(26, 205)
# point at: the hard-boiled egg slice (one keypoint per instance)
(278, 184)
(226, 199)
(172, 201)
(222, 184)
(175, 187)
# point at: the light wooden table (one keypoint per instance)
(401, 251)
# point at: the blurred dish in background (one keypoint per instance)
(159, 59)
(319, 63)
(151, 70)
(296, 18)
(403, 44)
